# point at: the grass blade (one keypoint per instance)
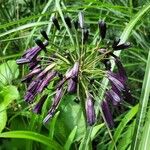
(70, 139)
(142, 107)
(32, 136)
(128, 117)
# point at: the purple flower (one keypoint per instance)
(115, 80)
(102, 29)
(30, 54)
(73, 72)
(121, 70)
(31, 74)
(90, 112)
(51, 112)
(46, 81)
(72, 86)
(22, 61)
(113, 96)
(38, 107)
(107, 114)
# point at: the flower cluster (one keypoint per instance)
(81, 68)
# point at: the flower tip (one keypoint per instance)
(102, 28)
(56, 23)
(40, 44)
(81, 20)
(44, 34)
(68, 21)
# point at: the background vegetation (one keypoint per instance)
(20, 22)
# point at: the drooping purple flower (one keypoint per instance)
(127, 94)
(44, 34)
(34, 64)
(68, 21)
(45, 71)
(115, 80)
(57, 98)
(31, 74)
(90, 112)
(31, 91)
(72, 86)
(113, 96)
(56, 23)
(38, 107)
(30, 54)
(107, 114)
(22, 61)
(46, 81)
(102, 29)
(121, 70)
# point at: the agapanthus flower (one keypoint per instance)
(75, 71)
(90, 112)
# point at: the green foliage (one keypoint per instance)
(20, 22)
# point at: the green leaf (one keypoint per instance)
(145, 140)
(7, 95)
(122, 125)
(32, 136)
(143, 105)
(95, 130)
(126, 138)
(8, 71)
(3, 118)
(70, 139)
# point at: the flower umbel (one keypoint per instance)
(75, 68)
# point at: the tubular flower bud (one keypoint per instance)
(115, 80)
(46, 81)
(51, 112)
(90, 112)
(113, 96)
(76, 24)
(115, 43)
(81, 20)
(31, 74)
(30, 54)
(72, 86)
(38, 107)
(56, 23)
(85, 35)
(122, 46)
(40, 44)
(102, 29)
(107, 114)
(68, 21)
(44, 34)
